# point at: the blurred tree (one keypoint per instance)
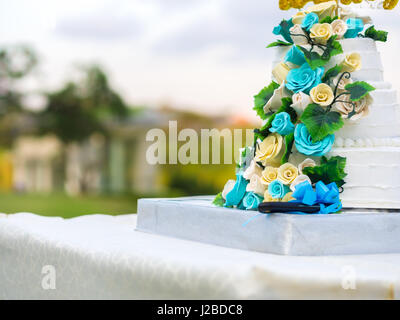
(80, 109)
(16, 62)
(74, 114)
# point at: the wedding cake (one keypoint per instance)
(331, 127)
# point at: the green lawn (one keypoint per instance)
(65, 206)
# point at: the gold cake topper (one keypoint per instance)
(299, 4)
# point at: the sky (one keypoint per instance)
(200, 55)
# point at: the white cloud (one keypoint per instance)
(208, 55)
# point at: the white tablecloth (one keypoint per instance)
(102, 256)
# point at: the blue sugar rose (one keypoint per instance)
(235, 196)
(251, 201)
(279, 31)
(309, 20)
(303, 79)
(304, 144)
(355, 26)
(295, 56)
(282, 124)
(277, 189)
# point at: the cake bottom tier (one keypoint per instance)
(373, 179)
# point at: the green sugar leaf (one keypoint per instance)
(289, 141)
(330, 170)
(321, 123)
(219, 201)
(279, 43)
(313, 59)
(333, 47)
(285, 30)
(262, 98)
(331, 73)
(263, 132)
(358, 90)
(377, 35)
(328, 19)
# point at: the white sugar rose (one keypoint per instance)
(255, 185)
(298, 35)
(344, 81)
(268, 175)
(298, 180)
(280, 72)
(323, 10)
(352, 62)
(298, 17)
(305, 164)
(339, 28)
(228, 188)
(321, 32)
(287, 173)
(301, 101)
(322, 94)
(270, 149)
(345, 107)
(276, 100)
(253, 169)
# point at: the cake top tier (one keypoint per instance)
(372, 67)
(373, 4)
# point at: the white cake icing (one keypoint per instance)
(371, 144)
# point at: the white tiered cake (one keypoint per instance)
(372, 143)
(330, 139)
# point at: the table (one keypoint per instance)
(103, 257)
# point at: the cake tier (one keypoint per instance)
(382, 121)
(373, 179)
(371, 144)
(372, 69)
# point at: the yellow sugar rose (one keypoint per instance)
(268, 198)
(287, 173)
(269, 149)
(352, 62)
(322, 94)
(323, 10)
(321, 32)
(298, 17)
(268, 175)
(288, 197)
(280, 72)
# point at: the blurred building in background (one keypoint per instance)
(113, 164)
(86, 140)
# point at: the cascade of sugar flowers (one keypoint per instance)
(311, 97)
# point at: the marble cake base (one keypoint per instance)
(358, 231)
